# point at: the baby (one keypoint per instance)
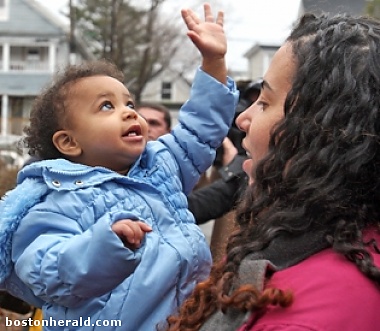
(99, 229)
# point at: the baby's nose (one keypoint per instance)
(129, 113)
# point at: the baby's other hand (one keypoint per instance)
(229, 151)
(131, 232)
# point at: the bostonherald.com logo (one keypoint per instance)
(64, 323)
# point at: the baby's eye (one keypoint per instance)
(130, 104)
(106, 106)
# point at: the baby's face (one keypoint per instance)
(103, 121)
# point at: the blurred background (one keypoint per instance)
(146, 39)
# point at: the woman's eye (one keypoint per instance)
(261, 104)
(106, 106)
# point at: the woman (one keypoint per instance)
(305, 256)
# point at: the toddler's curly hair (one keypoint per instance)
(49, 109)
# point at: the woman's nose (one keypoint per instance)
(243, 120)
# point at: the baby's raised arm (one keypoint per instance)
(209, 37)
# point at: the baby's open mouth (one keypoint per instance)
(133, 131)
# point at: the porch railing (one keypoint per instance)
(28, 66)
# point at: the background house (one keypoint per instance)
(171, 88)
(260, 54)
(259, 57)
(33, 45)
(353, 7)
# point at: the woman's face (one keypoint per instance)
(258, 120)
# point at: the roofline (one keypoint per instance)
(256, 47)
(49, 15)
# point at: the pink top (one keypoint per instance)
(330, 294)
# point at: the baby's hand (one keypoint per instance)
(131, 232)
(229, 151)
(207, 36)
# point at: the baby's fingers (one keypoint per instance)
(190, 18)
(131, 232)
(220, 18)
(135, 233)
(208, 13)
(144, 227)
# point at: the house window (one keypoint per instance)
(33, 54)
(166, 90)
(4, 10)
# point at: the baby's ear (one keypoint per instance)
(66, 143)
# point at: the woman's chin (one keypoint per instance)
(248, 167)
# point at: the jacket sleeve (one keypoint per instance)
(204, 121)
(63, 264)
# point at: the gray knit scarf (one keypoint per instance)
(283, 252)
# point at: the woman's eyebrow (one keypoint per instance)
(265, 84)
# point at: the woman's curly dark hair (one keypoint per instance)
(48, 112)
(322, 170)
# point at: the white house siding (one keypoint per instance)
(33, 45)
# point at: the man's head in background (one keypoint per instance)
(158, 118)
(249, 92)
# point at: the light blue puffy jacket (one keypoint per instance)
(65, 252)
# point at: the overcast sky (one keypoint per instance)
(247, 22)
